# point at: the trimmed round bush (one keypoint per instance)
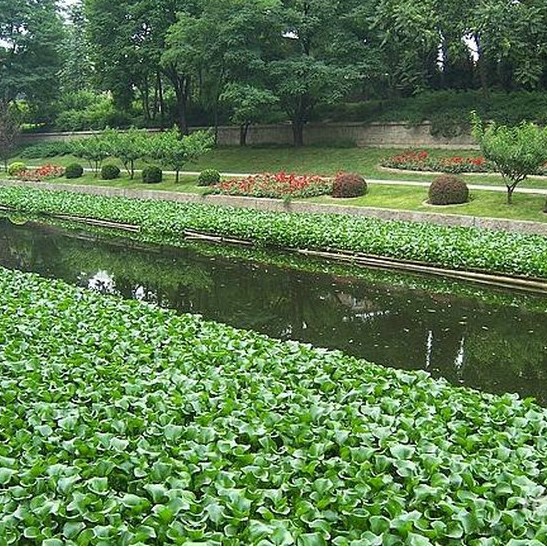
(208, 177)
(448, 190)
(152, 174)
(349, 185)
(110, 172)
(16, 168)
(74, 171)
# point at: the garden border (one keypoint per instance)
(277, 205)
(381, 167)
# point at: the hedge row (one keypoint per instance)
(123, 423)
(459, 248)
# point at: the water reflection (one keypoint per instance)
(494, 347)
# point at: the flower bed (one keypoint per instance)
(124, 424)
(420, 160)
(47, 171)
(452, 247)
(275, 185)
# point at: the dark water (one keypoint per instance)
(484, 341)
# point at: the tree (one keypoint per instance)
(517, 151)
(128, 146)
(9, 132)
(314, 58)
(94, 149)
(173, 149)
(30, 32)
(406, 38)
(249, 105)
(76, 74)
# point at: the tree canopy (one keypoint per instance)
(186, 62)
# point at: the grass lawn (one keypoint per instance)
(186, 183)
(411, 198)
(310, 160)
(482, 203)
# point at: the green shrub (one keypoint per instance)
(448, 190)
(46, 150)
(74, 171)
(110, 172)
(208, 177)
(16, 168)
(152, 174)
(349, 185)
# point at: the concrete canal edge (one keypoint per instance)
(276, 205)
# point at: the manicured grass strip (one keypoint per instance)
(458, 248)
(124, 423)
(482, 203)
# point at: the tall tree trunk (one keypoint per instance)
(298, 132)
(181, 85)
(482, 67)
(161, 102)
(145, 96)
(243, 130)
(180, 114)
(218, 87)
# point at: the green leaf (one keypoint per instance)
(311, 539)
(6, 475)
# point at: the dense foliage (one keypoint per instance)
(74, 171)
(110, 171)
(460, 248)
(208, 177)
(97, 64)
(348, 185)
(448, 190)
(47, 149)
(151, 174)
(30, 59)
(275, 185)
(124, 423)
(448, 111)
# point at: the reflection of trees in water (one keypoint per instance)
(390, 325)
(504, 359)
(21, 250)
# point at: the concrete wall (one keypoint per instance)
(392, 135)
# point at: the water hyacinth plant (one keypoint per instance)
(453, 247)
(123, 423)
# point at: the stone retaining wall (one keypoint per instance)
(389, 135)
(264, 204)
